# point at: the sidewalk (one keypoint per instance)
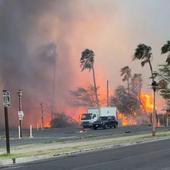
(32, 152)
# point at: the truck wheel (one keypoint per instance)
(115, 126)
(95, 128)
(104, 126)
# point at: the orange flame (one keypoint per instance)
(47, 123)
(147, 102)
(126, 120)
(146, 106)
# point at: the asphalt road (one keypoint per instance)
(148, 156)
(71, 133)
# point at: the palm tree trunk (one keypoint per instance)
(95, 87)
(154, 108)
(151, 69)
(128, 85)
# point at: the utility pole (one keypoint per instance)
(6, 104)
(20, 112)
(42, 116)
(108, 103)
(154, 87)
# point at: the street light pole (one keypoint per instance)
(153, 115)
(154, 87)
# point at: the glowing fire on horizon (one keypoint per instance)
(47, 123)
(146, 106)
(125, 120)
(147, 102)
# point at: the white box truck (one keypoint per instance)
(102, 117)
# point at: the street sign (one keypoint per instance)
(19, 93)
(20, 115)
(6, 98)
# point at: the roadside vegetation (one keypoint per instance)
(62, 120)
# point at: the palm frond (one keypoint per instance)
(144, 62)
(125, 78)
(125, 70)
(162, 84)
(87, 59)
(165, 48)
(142, 51)
(168, 60)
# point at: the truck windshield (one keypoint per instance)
(86, 116)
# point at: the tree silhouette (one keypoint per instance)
(126, 73)
(87, 63)
(166, 49)
(143, 53)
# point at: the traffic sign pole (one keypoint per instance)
(20, 110)
(20, 125)
(7, 130)
(6, 103)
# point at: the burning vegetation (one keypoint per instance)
(140, 117)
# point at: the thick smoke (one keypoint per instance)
(33, 54)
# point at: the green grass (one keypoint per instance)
(9, 156)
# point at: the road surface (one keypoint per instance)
(71, 133)
(148, 156)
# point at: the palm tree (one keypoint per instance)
(126, 73)
(143, 53)
(87, 62)
(166, 48)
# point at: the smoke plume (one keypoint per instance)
(35, 55)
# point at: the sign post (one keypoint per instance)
(20, 112)
(6, 104)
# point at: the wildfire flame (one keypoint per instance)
(47, 123)
(126, 120)
(147, 102)
(146, 106)
(129, 120)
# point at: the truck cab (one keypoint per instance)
(87, 120)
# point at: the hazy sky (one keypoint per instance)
(31, 29)
(119, 27)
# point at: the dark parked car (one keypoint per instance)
(106, 122)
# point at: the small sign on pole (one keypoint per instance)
(6, 98)
(20, 115)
